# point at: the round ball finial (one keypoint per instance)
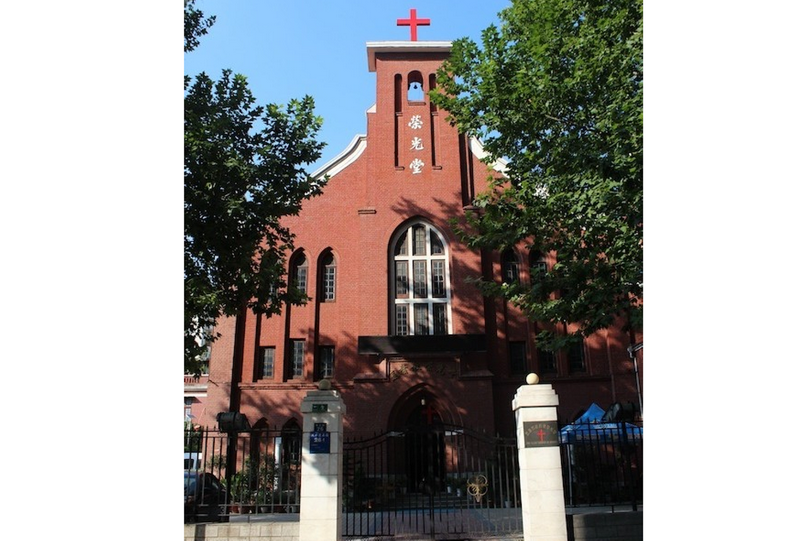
(324, 385)
(532, 379)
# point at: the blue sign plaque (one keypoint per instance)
(319, 440)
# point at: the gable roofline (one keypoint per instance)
(344, 158)
(358, 145)
(500, 165)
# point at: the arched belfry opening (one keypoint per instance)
(416, 89)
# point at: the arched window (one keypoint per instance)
(420, 283)
(298, 272)
(509, 267)
(328, 276)
(576, 357)
(289, 459)
(539, 267)
(538, 271)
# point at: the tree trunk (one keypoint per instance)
(236, 378)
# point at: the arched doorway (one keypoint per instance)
(422, 455)
(414, 478)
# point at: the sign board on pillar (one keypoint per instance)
(540, 434)
(319, 441)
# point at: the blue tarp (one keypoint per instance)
(605, 432)
(593, 414)
(588, 427)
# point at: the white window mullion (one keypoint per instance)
(434, 284)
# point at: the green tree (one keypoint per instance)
(196, 25)
(244, 172)
(557, 92)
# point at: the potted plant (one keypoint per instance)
(216, 464)
(240, 492)
(265, 482)
(264, 500)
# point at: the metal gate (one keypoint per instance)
(438, 481)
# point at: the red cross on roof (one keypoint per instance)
(413, 22)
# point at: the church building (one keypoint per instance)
(394, 320)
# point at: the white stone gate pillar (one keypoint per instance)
(322, 466)
(541, 482)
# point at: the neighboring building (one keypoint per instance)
(393, 320)
(195, 392)
(195, 388)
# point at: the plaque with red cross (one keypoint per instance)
(540, 434)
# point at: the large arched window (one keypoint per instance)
(420, 285)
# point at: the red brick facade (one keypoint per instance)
(373, 193)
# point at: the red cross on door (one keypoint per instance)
(429, 413)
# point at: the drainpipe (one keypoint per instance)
(631, 350)
(610, 367)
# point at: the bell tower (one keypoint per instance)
(407, 123)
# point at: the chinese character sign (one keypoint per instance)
(416, 144)
(416, 166)
(415, 122)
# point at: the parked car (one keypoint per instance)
(205, 497)
(191, 461)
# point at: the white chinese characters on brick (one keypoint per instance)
(416, 144)
(416, 166)
(416, 122)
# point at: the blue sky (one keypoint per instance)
(289, 49)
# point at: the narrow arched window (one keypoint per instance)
(538, 265)
(509, 267)
(576, 357)
(298, 272)
(538, 272)
(290, 456)
(420, 284)
(328, 277)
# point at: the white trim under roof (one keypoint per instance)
(478, 151)
(344, 159)
(358, 146)
(374, 47)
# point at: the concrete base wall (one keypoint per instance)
(243, 531)
(586, 527)
(606, 527)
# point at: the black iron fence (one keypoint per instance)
(264, 474)
(420, 480)
(602, 465)
(436, 480)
